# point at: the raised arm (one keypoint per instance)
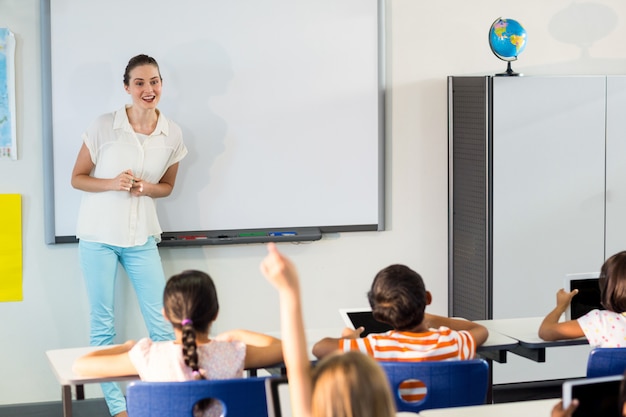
(261, 349)
(113, 361)
(550, 328)
(282, 274)
(478, 331)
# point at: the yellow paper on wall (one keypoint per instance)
(10, 247)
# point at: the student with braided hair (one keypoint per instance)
(190, 304)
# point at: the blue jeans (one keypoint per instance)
(142, 264)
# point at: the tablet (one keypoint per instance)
(596, 396)
(588, 297)
(357, 317)
(278, 399)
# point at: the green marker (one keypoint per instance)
(251, 234)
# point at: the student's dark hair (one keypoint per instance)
(137, 61)
(613, 283)
(190, 304)
(398, 297)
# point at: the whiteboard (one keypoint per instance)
(281, 103)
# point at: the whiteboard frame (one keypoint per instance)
(307, 233)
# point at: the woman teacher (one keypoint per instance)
(128, 159)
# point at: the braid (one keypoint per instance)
(190, 304)
(190, 348)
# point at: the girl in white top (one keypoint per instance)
(602, 328)
(191, 306)
(128, 159)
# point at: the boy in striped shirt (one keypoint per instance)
(399, 298)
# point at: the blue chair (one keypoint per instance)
(446, 383)
(606, 362)
(242, 397)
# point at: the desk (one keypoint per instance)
(535, 408)
(524, 330)
(496, 346)
(62, 360)
(494, 350)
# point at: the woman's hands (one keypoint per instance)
(126, 181)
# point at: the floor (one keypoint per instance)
(97, 407)
(527, 391)
(84, 408)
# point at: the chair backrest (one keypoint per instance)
(606, 362)
(437, 384)
(242, 397)
(278, 398)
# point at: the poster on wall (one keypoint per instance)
(8, 141)
(11, 247)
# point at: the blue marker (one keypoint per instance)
(274, 234)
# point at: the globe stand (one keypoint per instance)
(509, 72)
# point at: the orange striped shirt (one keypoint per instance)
(440, 344)
(434, 345)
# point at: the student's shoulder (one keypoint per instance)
(228, 353)
(600, 316)
(446, 333)
(399, 336)
(223, 347)
(146, 346)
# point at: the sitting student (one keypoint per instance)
(399, 298)
(558, 410)
(190, 304)
(602, 328)
(340, 385)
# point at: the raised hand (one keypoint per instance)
(278, 269)
(564, 298)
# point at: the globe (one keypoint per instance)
(507, 39)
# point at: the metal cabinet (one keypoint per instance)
(526, 199)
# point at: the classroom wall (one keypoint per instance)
(426, 41)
